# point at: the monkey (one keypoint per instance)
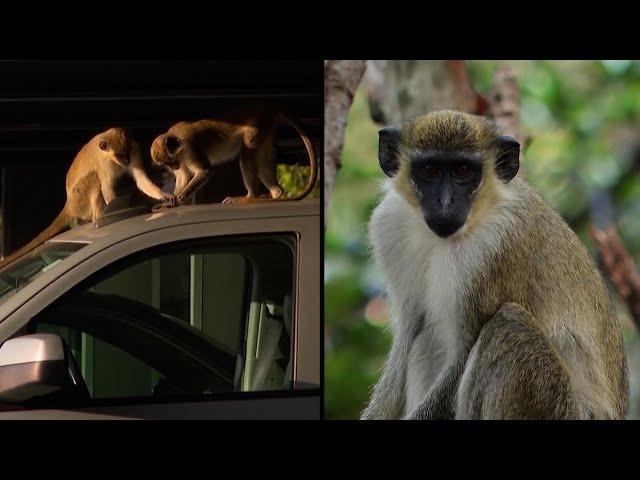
(91, 181)
(191, 149)
(497, 309)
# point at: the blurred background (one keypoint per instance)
(580, 124)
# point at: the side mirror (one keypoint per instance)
(33, 366)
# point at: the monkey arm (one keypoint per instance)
(149, 188)
(182, 179)
(196, 182)
(515, 372)
(439, 403)
(143, 182)
(107, 188)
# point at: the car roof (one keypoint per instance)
(184, 215)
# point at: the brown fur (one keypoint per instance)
(206, 143)
(538, 337)
(535, 383)
(90, 183)
(546, 269)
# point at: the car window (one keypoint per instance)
(190, 318)
(28, 267)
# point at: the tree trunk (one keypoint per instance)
(504, 107)
(341, 78)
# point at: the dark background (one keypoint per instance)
(49, 109)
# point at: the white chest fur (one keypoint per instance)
(440, 335)
(426, 276)
(426, 359)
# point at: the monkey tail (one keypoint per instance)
(288, 118)
(59, 225)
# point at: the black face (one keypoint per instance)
(123, 159)
(172, 144)
(444, 182)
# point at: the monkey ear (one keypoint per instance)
(508, 161)
(388, 143)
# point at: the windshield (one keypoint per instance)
(24, 270)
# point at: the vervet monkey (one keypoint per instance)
(191, 149)
(91, 182)
(498, 310)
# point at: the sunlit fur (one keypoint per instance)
(247, 134)
(445, 292)
(91, 181)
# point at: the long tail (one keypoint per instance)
(312, 156)
(60, 224)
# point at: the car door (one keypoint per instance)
(195, 328)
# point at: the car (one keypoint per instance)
(193, 312)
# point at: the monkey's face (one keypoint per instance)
(444, 183)
(166, 150)
(439, 160)
(116, 144)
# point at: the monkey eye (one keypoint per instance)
(430, 171)
(104, 146)
(461, 171)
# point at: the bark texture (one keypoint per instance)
(619, 267)
(504, 107)
(341, 79)
(398, 90)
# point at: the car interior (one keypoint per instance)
(195, 319)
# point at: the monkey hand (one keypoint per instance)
(169, 201)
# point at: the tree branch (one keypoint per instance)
(619, 267)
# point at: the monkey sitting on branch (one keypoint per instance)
(192, 149)
(91, 183)
(498, 310)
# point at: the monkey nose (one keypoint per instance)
(445, 202)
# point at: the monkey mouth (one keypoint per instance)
(123, 160)
(443, 229)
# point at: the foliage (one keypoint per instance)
(582, 118)
(294, 178)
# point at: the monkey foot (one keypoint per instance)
(276, 192)
(235, 200)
